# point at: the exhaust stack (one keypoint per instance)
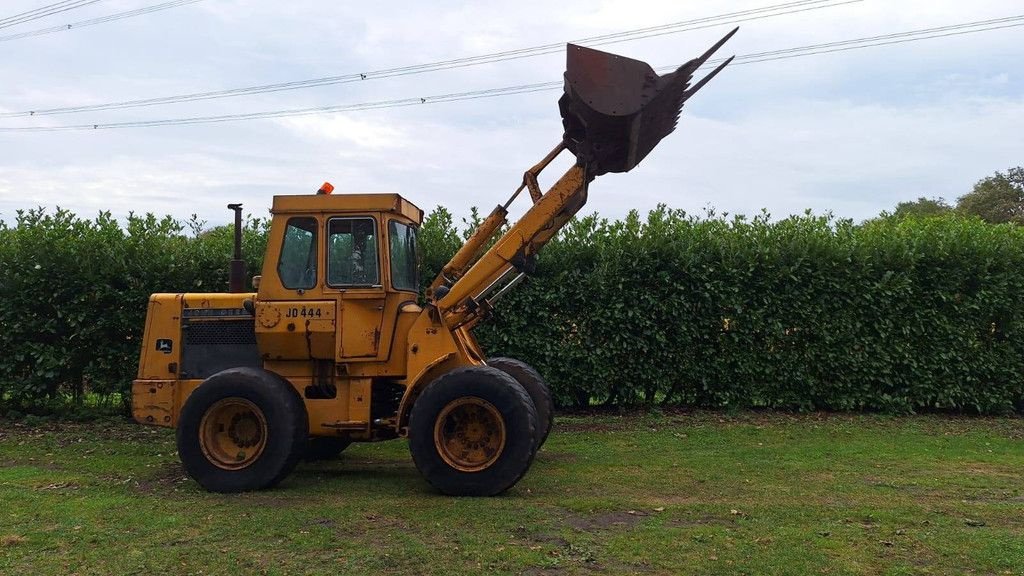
(236, 274)
(615, 110)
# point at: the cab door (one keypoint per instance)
(294, 319)
(354, 270)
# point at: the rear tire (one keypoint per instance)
(538, 389)
(472, 431)
(242, 429)
(325, 448)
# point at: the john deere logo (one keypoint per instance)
(164, 345)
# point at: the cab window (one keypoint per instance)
(403, 256)
(352, 252)
(297, 264)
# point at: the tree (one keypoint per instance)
(438, 240)
(921, 208)
(997, 199)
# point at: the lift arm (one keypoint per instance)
(484, 232)
(517, 248)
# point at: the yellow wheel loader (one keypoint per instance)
(333, 346)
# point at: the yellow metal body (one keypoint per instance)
(349, 341)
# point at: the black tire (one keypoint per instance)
(325, 448)
(538, 389)
(502, 397)
(282, 434)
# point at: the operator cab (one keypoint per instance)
(334, 261)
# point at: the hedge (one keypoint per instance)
(807, 312)
(804, 313)
(73, 295)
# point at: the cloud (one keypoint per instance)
(854, 159)
(362, 134)
(853, 132)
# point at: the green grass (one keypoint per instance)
(658, 494)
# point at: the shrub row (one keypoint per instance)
(805, 313)
(808, 312)
(73, 295)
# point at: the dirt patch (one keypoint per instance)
(703, 520)
(61, 433)
(590, 427)
(619, 568)
(562, 457)
(573, 556)
(371, 524)
(987, 469)
(12, 540)
(605, 520)
(167, 477)
(909, 487)
(33, 463)
(938, 423)
(621, 421)
(60, 486)
(550, 540)
(521, 533)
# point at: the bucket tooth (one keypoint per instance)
(700, 84)
(711, 51)
(615, 110)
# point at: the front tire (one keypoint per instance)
(471, 432)
(242, 429)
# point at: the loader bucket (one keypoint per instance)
(615, 110)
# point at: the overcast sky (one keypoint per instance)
(852, 132)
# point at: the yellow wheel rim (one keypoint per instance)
(469, 434)
(233, 433)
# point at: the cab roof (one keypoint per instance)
(346, 203)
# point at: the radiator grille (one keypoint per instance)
(210, 346)
(221, 332)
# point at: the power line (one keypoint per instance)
(35, 10)
(730, 18)
(873, 44)
(753, 58)
(433, 66)
(44, 11)
(952, 27)
(99, 20)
